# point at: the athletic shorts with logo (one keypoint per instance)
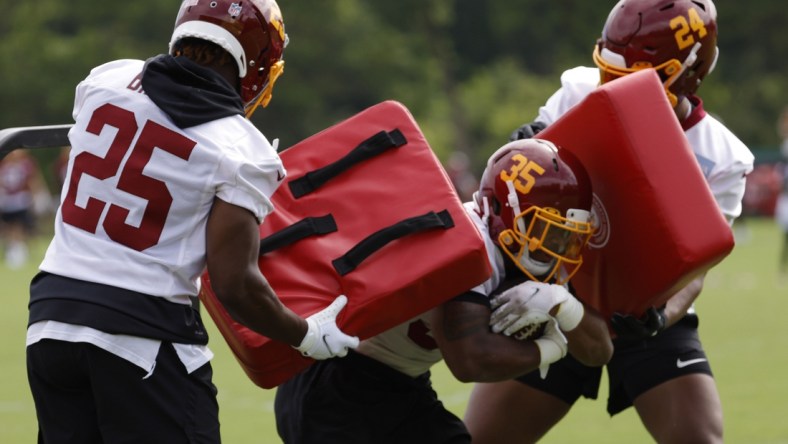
(634, 368)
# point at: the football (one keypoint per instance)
(529, 331)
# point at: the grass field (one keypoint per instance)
(743, 311)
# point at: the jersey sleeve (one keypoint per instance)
(725, 162)
(728, 191)
(576, 84)
(249, 176)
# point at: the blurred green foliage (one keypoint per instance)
(469, 71)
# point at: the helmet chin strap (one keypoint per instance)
(689, 61)
(513, 201)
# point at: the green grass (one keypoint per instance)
(743, 313)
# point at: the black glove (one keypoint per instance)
(630, 327)
(527, 131)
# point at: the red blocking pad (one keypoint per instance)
(366, 211)
(658, 226)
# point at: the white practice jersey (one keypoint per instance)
(410, 347)
(723, 158)
(135, 205)
(140, 188)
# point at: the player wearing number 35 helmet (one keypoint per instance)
(658, 359)
(532, 210)
(166, 177)
(538, 215)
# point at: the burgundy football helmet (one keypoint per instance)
(252, 31)
(678, 38)
(537, 199)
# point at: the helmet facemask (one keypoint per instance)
(545, 245)
(612, 66)
(265, 95)
(535, 200)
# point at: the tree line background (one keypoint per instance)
(470, 71)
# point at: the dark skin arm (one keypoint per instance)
(233, 243)
(590, 341)
(653, 321)
(472, 351)
(679, 303)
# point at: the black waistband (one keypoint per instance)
(378, 370)
(113, 310)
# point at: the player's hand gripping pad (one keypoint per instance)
(367, 211)
(658, 226)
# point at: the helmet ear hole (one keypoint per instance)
(496, 206)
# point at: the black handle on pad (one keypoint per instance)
(367, 149)
(374, 242)
(304, 228)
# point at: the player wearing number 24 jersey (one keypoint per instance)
(659, 365)
(166, 177)
(532, 210)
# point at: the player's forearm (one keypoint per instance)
(233, 244)
(499, 359)
(590, 342)
(255, 305)
(679, 303)
(473, 352)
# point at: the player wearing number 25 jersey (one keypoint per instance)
(532, 210)
(166, 176)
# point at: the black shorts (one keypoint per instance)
(635, 367)
(567, 380)
(86, 395)
(356, 399)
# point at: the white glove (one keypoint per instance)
(552, 347)
(532, 301)
(323, 338)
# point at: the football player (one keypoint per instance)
(781, 208)
(659, 365)
(22, 195)
(532, 209)
(166, 176)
